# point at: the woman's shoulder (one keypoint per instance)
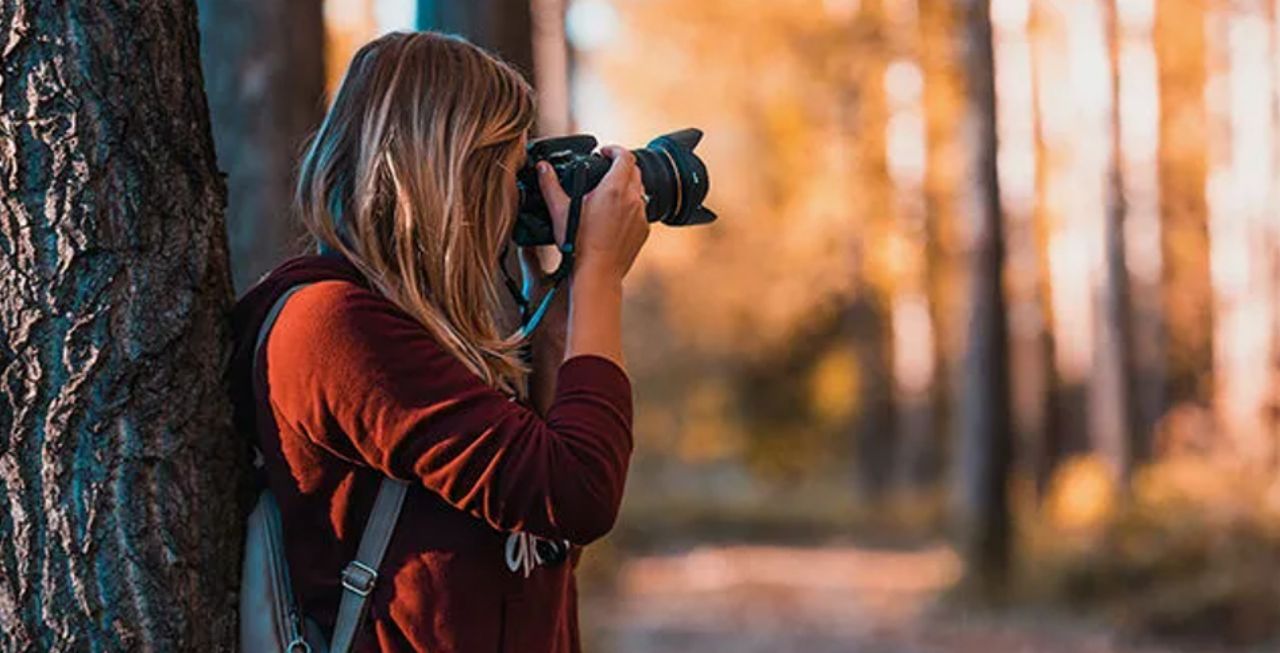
(336, 303)
(332, 316)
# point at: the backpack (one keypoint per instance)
(270, 618)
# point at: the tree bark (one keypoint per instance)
(1180, 46)
(266, 94)
(504, 27)
(121, 530)
(941, 51)
(986, 451)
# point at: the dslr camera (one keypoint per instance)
(675, 180)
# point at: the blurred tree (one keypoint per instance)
(552, 60)
(1273, 407)
(264, 76)
(348, 24)
(1051, 447)
(501, 26)
(870, 316)
(941, 58)
(983, 518)
(121, 530)
(1183, 162)
(1116, 351)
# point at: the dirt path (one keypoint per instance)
(748, 599)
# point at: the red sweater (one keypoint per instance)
(359, 390)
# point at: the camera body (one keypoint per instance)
(675, 180)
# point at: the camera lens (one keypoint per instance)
(678, 177)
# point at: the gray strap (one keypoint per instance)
(361, 574)
(271, 320)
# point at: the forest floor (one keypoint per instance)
(758, 599)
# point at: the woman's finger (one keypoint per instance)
(557, 200)
(623, 166)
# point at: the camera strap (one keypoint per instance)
(529, 319)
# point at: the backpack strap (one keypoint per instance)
(361, 574)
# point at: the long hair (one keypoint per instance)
(406, 177)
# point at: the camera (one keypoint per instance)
(675, 180)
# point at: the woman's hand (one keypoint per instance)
(613, 227)
(611, 231)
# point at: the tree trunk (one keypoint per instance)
(875, 434)
(1052, 445)
(1115, 352)
(552, 61)
(1273, 404)
(504, 27)
(941, 49)
(1183, 162)
(122, 527)
(986, 449)
(266, 94)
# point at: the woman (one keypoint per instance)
(393, 361)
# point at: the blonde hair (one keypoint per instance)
(406, 177)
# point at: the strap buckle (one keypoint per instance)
(359, 578)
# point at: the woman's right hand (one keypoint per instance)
(613, 227)
(611, 231)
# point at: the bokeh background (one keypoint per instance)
(983, 353)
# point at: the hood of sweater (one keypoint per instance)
(251, 310)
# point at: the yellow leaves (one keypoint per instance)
(1081, 496)
(834, 385)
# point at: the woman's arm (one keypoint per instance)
(360, 378)
(613, 228)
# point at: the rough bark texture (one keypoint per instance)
(986, 424)
(264, 72)
(871, 315)
(501, 26)
(941, 49)
(1180, 46)
(121, 530)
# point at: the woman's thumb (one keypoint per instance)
(555, 197)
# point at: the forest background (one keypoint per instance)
(983, 352)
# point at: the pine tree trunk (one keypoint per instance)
(1180, 46)
(1273, 404)
(121, 530)
(986, 448)
(266, 94)
(552, 61)
(1115, 352)
(941, 48)
(1052, 445)
(876, 430)
(504, 27)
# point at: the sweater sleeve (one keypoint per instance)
(362, 379)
